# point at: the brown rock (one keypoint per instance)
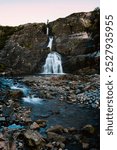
(3, 145)
(12, 145)
(56, 137)
(56, 129)
(33, 138)
(88, 129)
(34, 126)
(49, 145)
(62, 145)
(28, 121)
(1, 137)
(85, 145)
(41, 123)
(16, 94)
(72, 130)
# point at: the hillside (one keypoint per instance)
(23, 49)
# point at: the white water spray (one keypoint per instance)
(53, 64)
(50, 43)
(47, 31)
(32, 99)
(28, 96)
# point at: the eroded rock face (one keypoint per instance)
(25, 50)
(74, 42)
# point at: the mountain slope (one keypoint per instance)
(23, 49)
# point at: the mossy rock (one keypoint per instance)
(2, 67)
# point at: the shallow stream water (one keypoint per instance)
(54, 111)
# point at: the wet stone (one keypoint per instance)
(34, 126)
(2, 119)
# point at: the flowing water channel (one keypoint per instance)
(54, 111)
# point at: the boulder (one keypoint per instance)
(3, 145)
(1, 137)
(85, 145)
(56, 137)
(49, 145)
(41, 123)
(16, 94)
(34, 126)
(34, 139)
(56, 129)
(88, 129)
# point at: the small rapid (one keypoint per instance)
(27, 93)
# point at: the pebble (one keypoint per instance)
(90, 97)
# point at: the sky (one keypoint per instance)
(17, 12)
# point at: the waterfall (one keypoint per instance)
(47, 31)
(53, 64)
(50, 43)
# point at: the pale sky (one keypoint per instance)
(16, 12)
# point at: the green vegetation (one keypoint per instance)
(2, 67)
(6, 32)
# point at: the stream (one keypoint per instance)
(54, 111)
(57, 112)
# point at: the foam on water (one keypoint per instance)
(32, 99)
(22, 88)
(28, 97)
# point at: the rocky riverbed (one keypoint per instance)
(61, 113)
(67, 88)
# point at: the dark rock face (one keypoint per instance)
(26, 49)
(74, 41)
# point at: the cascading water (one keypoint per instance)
(28, 96)
(53, 64)
(50, 43)
(47, 31)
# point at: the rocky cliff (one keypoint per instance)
(23, 49)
